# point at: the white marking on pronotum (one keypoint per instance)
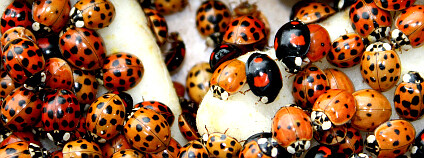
(35, 26)
(298, 61)
(371, 138)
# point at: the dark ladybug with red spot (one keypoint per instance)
(291, 44)
(264, 77)
(262, 145)
(61, 114)
(320, 151)
(223, 53)
(417, 149)
(18, 13)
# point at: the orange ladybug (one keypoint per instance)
(391, 139)
(408, 98)
(320, 44)
(346, 51)
(335, 107)
(339, 80)
(81, 148)
(228, 78)
(221, 145)
(310, 12)
(380, 66)
(246, 31)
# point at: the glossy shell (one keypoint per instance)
(212, 16)
(159, 108)
(197, 81)
(394, 5)
(308, 85)
(346, 51)
(310, 12)
(230, 76)
(85, 86)
(353, 142)
(171, 151)
(193, 149)
(81, 148)
(187, 126)
(333, 136)
(157, 24)
(7, 85)
(114, 145)
(128, 153)
(17, 13)
(239, 31)
(339, 105)
(380, 69)
(408, 99)
(339, 80)
(264, 77)
(15, 33)
(320, 42)
(221, 145)
(51, 14)
(223, 53)
(372, 109)
(93, 14)
(410, 23)
(122, 71)
(58, 74)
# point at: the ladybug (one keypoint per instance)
(82, 48)
(92, 14)
(292, 129)
(308, 85)
(85, 86)
(81, 131)
(372, 109)
(417, 149)
(320, 151)
(408, 96)
(157, 24)
(291, 43)
(7, 85)
(16, 33)
(50, 16)
(408, 32)
(370, 21)
(159, 108)
(17, 13)
(394, 5)
(391, 139)
(50, 46)
(60, 115)
(228, 78)
(122, 71)
(346, 51)
(222, 53)
(380, 66)
(212, 18)
(105, 117)
(320, 44)
(197, 81)
(264, 77)
(58, 74)
(311, 12)
(20, 109)
(352, 143)
(57, 154)
(81, 148)
(169, 6)
(126, 99)
(175, 55)
(116, 144)
(221, 145)
(334, 107)
(179, 88)
(247, 32)
(24, 136)
(193, 149)
(38, 129)
(128, 153)
(187, 126)
(339, 80)
(23, 149)
(332, 136)
(22, 59)
(147, 131)
(248, 9)
(262, 145)
(171, 151)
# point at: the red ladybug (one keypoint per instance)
(370, 21)
(16, 33)
(157, 24)
(58, 74)
(20, 109)
(22, 59)
(408, 96)
(308, 85)
(7, 85)
(82, 48)
(334, 107)
(122, 71)
(114, 145)
(292, 129)
(50, 46)
(246, 31)
(105, 117)
(17, 13)
(23, 149)
(408, 32)
(223, 53)
(61, 114)
(394, 5)
(391, 139)
(23, 136)
(92, 14)
(50, 16)
(320, 42)
(291, 44)
(85, 86)
(264, 77)
(159, 108)
(346, 51)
